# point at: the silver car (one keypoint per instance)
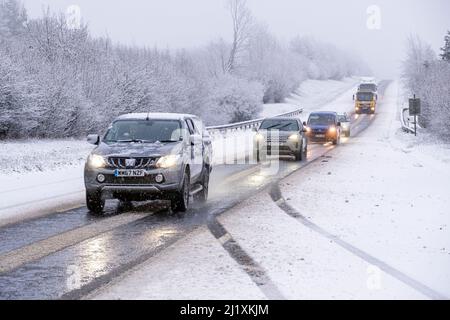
(344, 119)
(281, 136)
(149, 156)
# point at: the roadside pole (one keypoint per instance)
(414, 110)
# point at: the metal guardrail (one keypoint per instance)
(405, 121)
(248, 125)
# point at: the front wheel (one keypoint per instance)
(180, 202)
(94, 202)
(337, 140)
(202, 196)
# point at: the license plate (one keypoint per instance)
(320, 136)
(129, 173)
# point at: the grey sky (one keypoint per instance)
(192, 23)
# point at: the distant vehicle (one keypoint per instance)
(324, 127)
(344, 119)
(286, 135)
(365, 102)
(149, 156)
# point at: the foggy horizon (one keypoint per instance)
(176, 24)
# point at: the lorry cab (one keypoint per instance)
(365, 102)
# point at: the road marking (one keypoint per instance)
(16, 258)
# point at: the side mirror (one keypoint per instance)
(93, 139)
(304, 123)
(339, 124)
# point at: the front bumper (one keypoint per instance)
(141, 187)
(322, 137)
(287, 148)
(364, 108)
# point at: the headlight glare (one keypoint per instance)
(96, 161)
(259, 137)
(168, 161)
(294, 137)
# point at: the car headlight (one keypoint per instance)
(332, 129)
(169, 161)
(259, 137)
(95, 161)
(294, 138)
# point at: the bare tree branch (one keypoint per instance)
(242, 21)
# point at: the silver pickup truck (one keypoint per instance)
(149, 156)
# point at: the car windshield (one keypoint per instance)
(365, 96)
(343, 118)
(281, 125)
(321, 119)
(145, 131)
(368, 86)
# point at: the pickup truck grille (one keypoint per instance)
(276, 140)
(131, 163)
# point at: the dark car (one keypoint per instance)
(324, 127)
(281, 136)
(147, 157)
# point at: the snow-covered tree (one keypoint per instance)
(445, 55)
(13, 19)
(428, 78)
(57, 81)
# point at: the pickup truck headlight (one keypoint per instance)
(169, 161)
(259, 137)
(332, 129)
(294, 138)
(95, 161)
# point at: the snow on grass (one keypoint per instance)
(41, 155)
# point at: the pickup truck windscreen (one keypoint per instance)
(145, 131)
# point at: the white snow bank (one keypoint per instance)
(41, 155)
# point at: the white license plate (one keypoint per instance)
(129, 173)
(320, 136)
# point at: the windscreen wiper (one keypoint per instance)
(133, 141)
